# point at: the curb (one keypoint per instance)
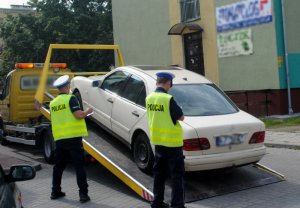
(286, 146)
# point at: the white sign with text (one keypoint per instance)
(235, 43)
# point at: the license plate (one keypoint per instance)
(230, 139)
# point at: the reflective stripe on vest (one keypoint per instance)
(64, 124)
(162, 129)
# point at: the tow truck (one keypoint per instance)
(117, 159)
(20, 122)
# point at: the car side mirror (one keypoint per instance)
(21, 173)
(96, 83)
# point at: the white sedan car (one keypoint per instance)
(216, 133)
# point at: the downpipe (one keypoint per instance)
(290, 110)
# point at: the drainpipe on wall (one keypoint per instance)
(290, 110)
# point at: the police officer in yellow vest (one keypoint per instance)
(68, 128)
(167, 136)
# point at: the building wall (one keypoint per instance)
(256, 82)
(176, 40)
(293, 41)
(256, 71)
(207, 22)
(141, 30)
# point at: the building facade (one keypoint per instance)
(247, 47)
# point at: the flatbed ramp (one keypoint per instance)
(116, 157)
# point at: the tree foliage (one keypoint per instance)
(27, 36)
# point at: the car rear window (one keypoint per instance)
(202, 100)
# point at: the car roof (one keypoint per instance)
(182, 76)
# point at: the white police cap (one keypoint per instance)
(61, 81)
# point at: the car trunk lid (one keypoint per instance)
(230, 132)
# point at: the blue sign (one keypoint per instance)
(243, 14)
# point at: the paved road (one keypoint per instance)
(107, 191)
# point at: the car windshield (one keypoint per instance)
(202, 100)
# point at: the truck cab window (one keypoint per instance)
(31, 82)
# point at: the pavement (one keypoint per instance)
(283, 139)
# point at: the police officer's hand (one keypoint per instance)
(82, 114)
(89, 110)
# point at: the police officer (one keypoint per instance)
(167, 136)
(68, 128)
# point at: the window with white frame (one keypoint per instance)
(190, 10)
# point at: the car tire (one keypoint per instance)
(48, 146)
(3, 141)
(142, 153)
(78, 96)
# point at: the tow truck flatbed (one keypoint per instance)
(115, 156)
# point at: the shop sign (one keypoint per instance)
(243, 14)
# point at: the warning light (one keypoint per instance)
(40, 65)
(24, 65)
(58, 65)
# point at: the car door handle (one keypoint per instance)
(135, 113)
(110, 100)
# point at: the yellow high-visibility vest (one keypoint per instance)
(162, 129)
(64, 124)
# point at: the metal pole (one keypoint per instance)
(290, 110)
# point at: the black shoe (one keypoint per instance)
(84, 198)
(163, 205)
(57, 195)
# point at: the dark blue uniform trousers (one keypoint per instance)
(168, 160)
(65, 149)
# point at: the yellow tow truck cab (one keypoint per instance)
(20, 121)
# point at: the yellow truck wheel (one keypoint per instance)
(48, 146)
(3, 141)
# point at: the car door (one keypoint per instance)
(103, 97)
(129, 108)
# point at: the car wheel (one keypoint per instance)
(48, 146)
(142, 153)
(78, 96)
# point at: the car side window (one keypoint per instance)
(115, 82)
(133, 90)
(142, 98)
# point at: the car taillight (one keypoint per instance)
(257, 137)
(196, 144)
